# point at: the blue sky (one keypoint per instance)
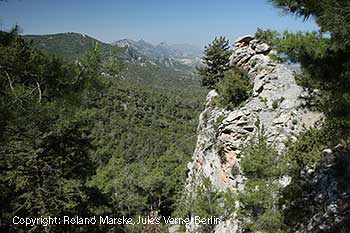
(195, 22)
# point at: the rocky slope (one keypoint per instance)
(324, 204)
(277, 105)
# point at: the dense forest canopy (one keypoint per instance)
(76, 139)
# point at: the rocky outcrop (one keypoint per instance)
(324, 204)
(277, 105)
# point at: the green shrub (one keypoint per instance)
(268, 36)
(218, 121)
(206, 201)
(263, 100)
(260, 160)
(307, 150)
(277, 102)
(233, 89)
(262, 166)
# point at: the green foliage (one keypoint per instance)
(295, 46)
(268, 36)
(206, 201)
(146, 70)
(303, 46)
(325, 62)
(271, 221)
(259, 206)
(216, 62)
(162, 76)
(277, 102)
(78, 140)
(45, 151)
(307, 150)
(260, 160)
(262, 166)
(67, 45)
(324, 57)
(307, 153)
(7, 38)
(146, 136)
(219, 121)
(330, 15)
(263, 100)
(234, 89)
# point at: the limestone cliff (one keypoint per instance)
(277, 104)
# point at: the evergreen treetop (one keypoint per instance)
(216, 62)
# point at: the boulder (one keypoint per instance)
(262, 48)
(234, 116)
(244, 39)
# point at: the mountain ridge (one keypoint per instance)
(184, 53)
(159, 65)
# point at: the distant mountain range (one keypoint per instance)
(183, 53)
(160, 64)
(73, 45)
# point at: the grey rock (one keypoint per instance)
(239, 123)
(234, 116)
(262, 48)
(327, 151)
(273, 53)
(175, 229)
(258, 85)
(245, 39)
(211, 95)
(241, 55)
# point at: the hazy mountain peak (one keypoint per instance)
(124, 42)
(183, 53)
(163, 44)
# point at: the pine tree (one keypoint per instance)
(216, 62)
(324, 59)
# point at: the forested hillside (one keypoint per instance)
(77, 139)
(67, 45)
(162, 65)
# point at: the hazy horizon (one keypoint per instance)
(174, 22)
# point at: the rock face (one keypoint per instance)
(325, 200)
(276, 105)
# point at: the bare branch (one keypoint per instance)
(10, 81)
(13, 90)
(39, 90)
